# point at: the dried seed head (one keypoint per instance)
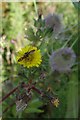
(62, 60)
(20, 105)
(55, 102)
(22, 101)
(54, 21)
(43, 75)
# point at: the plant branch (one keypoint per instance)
(11, 92)
(9, 107)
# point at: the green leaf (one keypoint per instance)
(36, 103)
(33, 110)
(72, 97)
(76, 4)
(34, 106)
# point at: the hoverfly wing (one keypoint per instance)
(32, 51)
(28, 53)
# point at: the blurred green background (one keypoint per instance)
(19, 20)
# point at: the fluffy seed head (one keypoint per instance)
(62, 60)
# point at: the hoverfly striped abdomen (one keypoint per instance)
(26, 55)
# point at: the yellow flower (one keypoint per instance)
(55, 102)
(29, 56)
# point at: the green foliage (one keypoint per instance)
(21, 25)
(76, 4)
(34, 106)
(72, 102)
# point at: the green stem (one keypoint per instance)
(35, 6)
(67, 29)
(67, 41)
(74, 43)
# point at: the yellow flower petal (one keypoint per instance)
(31, 59)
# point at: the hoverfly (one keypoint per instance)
(26, 55)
